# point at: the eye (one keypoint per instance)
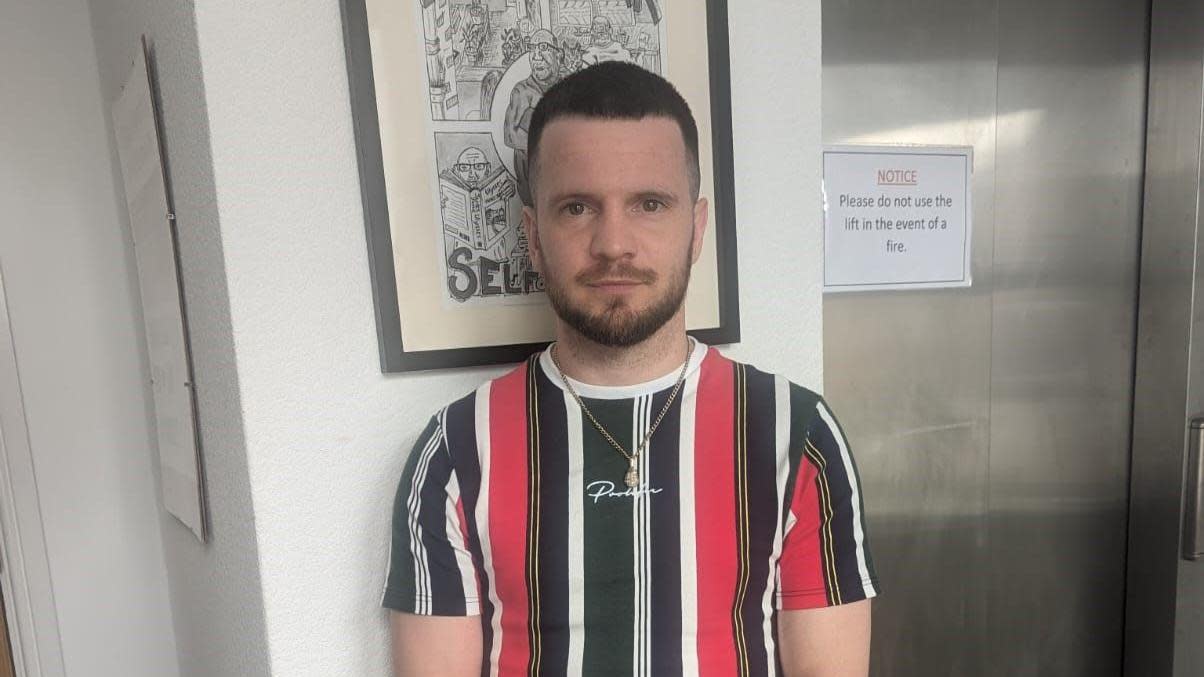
(575, 208)
(651, 205)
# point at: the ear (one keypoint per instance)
(701, 215)
(531, 229)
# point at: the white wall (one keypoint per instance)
(326, 432)
(73, 304)
(215, 588)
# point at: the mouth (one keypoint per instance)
(615, 285)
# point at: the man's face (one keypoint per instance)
(471, 166)
(614, 229)
(545, 62)
(600, 31)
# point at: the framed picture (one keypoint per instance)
(441, 92)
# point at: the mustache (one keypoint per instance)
(621, 271)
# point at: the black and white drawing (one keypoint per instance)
(487, 63)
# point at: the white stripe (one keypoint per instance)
(782, 419)
(455, 537)
(481, 424)
(645, 505)
(858, 534)
(576, 537)
(689, 553)
(637, 559)
(413, 504)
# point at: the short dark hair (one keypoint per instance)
(614, 90)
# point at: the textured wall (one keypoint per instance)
(326, 433)
(215, 589)
(74, 311)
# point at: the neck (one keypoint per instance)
(595, 364)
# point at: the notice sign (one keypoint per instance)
(896, 217)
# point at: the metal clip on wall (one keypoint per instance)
(1193, 520)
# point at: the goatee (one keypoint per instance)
(620, 326)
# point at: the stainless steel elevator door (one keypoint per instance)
(992, 424)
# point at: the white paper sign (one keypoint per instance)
(896, 217)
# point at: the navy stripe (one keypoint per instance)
(665, 537)
(554, 527)
(462, 443)
(400, 590)
(763, 509)
(844, 546)
(443, 572)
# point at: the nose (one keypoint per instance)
(612, 236)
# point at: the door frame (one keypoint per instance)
(24, 563)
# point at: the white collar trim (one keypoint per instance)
(595, 392)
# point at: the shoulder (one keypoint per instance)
(805, 405)
(462, 412)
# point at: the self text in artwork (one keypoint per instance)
(470, 275)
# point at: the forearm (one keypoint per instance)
(827, 642)
(436, 646)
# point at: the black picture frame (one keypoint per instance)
(394, 357)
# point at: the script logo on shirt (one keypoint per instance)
(600, 489)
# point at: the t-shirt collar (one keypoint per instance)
(595, 392)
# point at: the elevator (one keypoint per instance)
(1022, 440)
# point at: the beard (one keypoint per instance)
(619, 325)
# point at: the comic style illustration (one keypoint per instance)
(486, 255)
(487, 63)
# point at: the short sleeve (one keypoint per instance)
(825, 557)
(431, 571)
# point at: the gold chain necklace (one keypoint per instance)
(632, 478)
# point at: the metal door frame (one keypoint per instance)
(1162, 386)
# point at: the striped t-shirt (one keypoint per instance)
(512, 506)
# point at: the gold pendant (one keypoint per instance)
(632, 478)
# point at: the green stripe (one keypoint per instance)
(609, 550)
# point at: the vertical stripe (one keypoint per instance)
(456, 536)
(418, 540)
(664, 638)
(609, 547)
(641, 414)
(858, 524)
(800, 568)
(743, 532)
(781, 441)
(824, 494)
(461, 434)
(762, 478)
(686, 528)
(554, 533)
(483, 404)
(508, 516)
(576, 536)
(534, 524)
(715, 516)
(400, 580)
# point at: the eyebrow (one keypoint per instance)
(666, 196)
(662, 195)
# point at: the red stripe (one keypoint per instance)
(508, 513)
(463, 524)
(715, 515)
(802, 563)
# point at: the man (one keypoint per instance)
(471, 166)
(545, 71)
(603, 46)
(628, 501)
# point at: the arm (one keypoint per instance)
(826, 642)
(430, 587)
(436, 646)
(826, 572)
